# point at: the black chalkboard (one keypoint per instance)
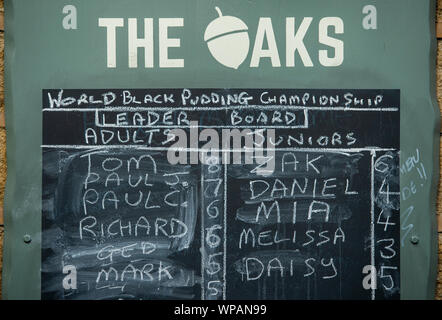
(301, 220)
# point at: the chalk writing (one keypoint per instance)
(120, 221)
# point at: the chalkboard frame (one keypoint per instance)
(22, 223)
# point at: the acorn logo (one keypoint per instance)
(228, 40)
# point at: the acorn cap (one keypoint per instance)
(223, 25)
